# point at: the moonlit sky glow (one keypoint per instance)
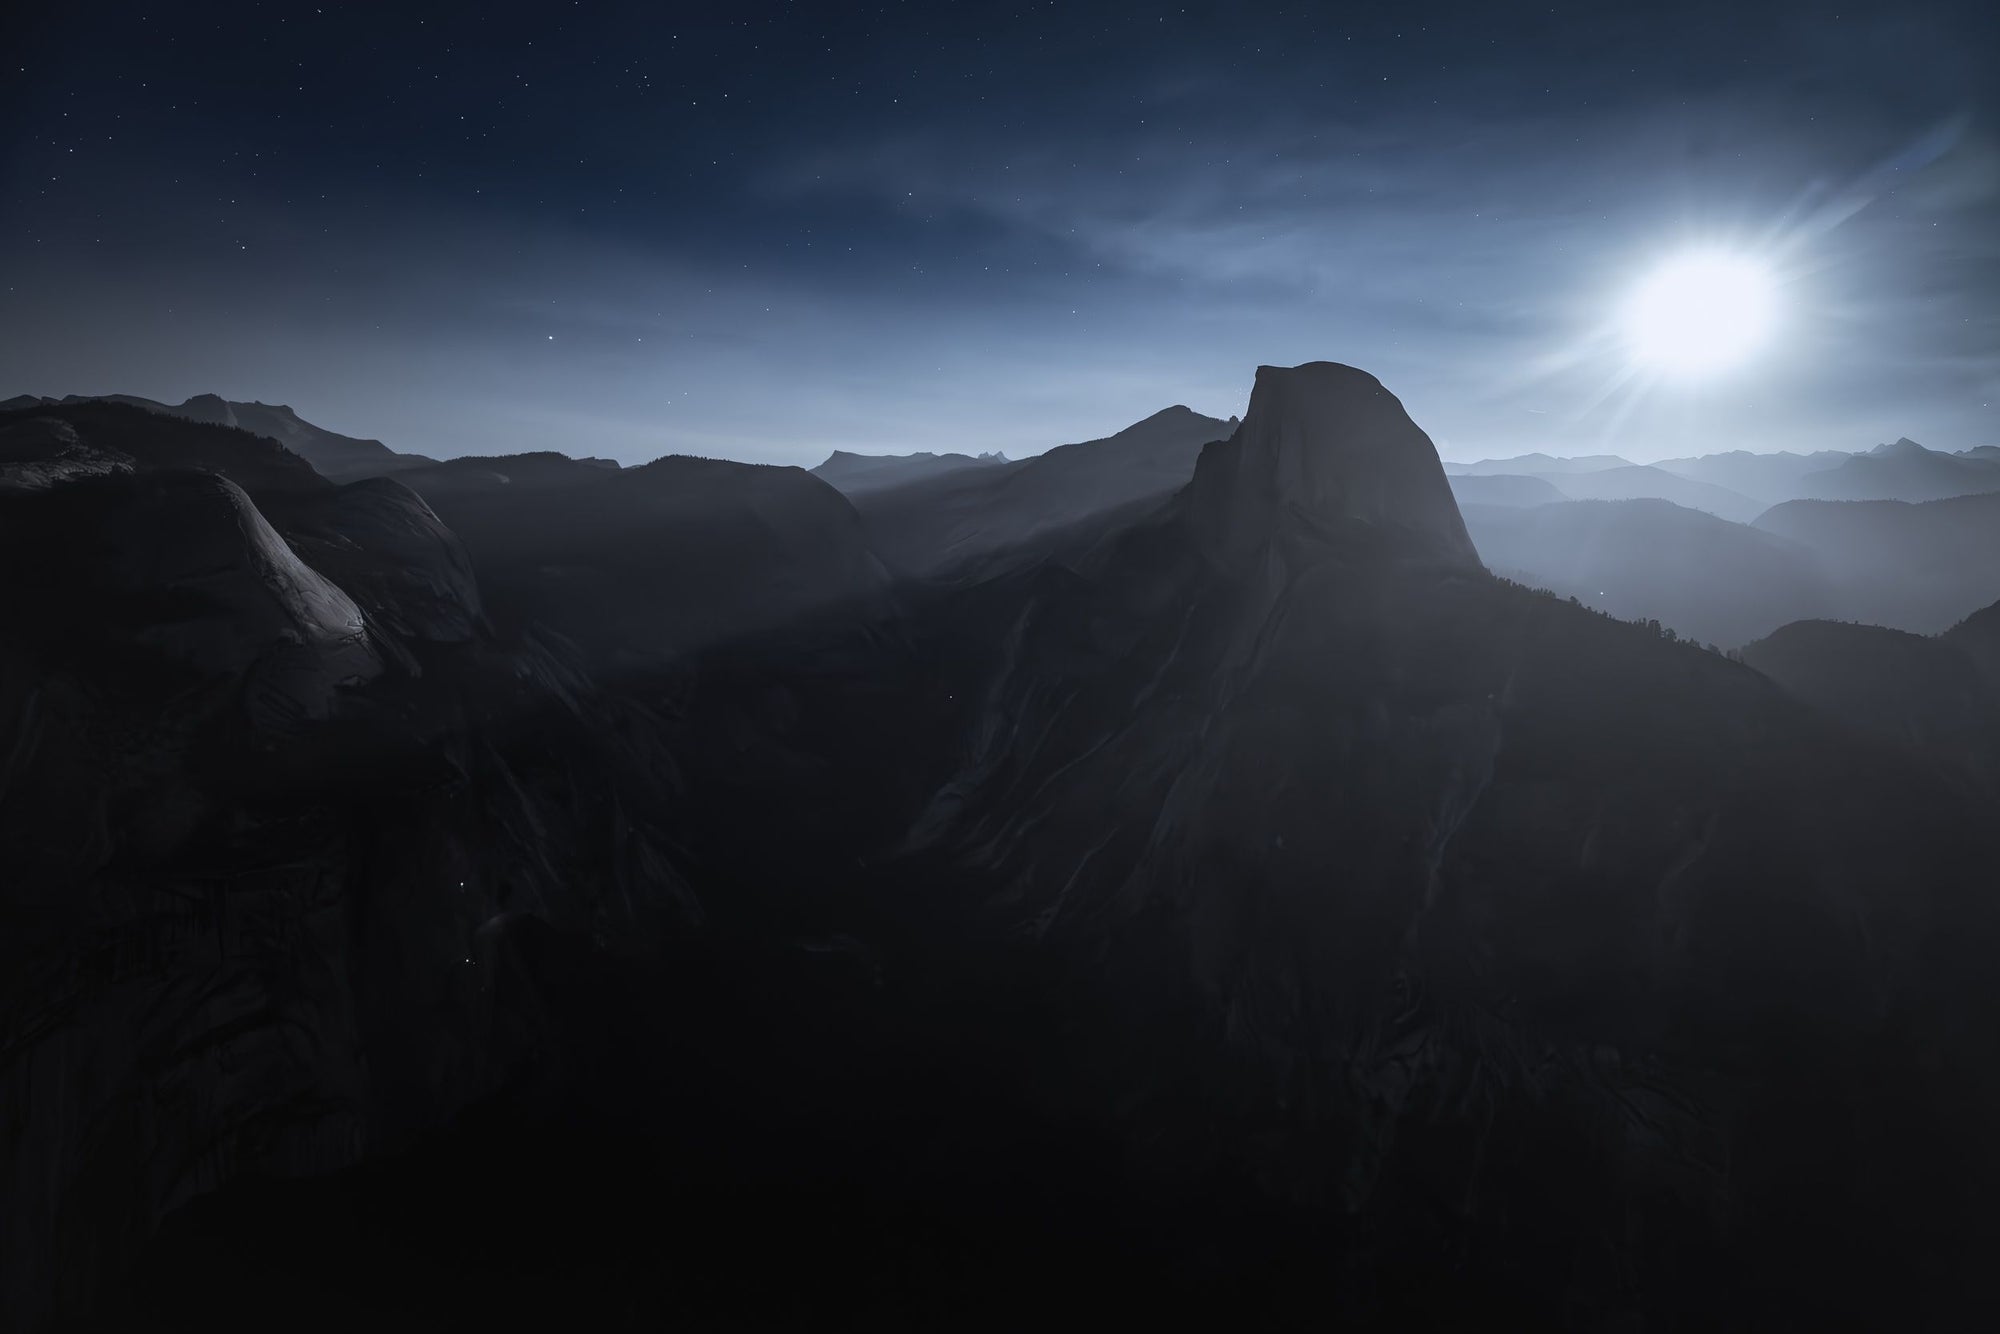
(1700, 313)
(765, 231)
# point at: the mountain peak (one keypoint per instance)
(1172, 423)
(1325, 453)
(209, 408)
(1903, 445)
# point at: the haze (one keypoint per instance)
(484, 231)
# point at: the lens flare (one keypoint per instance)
(1700, 313)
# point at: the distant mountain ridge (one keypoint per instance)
(1595, 477)
(1643, 482)
(1705, 577)
(1917, 566)
(942, 522)
(1535, 465)
(852, 473)
(337, 457)
(1766, 477)
(1899, 470)
(1904, 470)
(1500, 488)
(927, 513)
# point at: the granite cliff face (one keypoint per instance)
(1326, 455)
(379, 537)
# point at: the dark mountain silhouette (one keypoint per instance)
(338, 457)
(1326, 455)
(852, 474)
(1905, 471)
(1770, 478)
(1709, 580)
(1978, 636)
(89, 436)
(1917, 567)
(1737, 484)
(1320, 827)
(1926, 693)
(184, 579)
(955, 522)
(523, 890)
(1503, 489)
(643, 562)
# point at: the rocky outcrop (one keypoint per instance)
(1325, 454)
(37, 453)
(179, 573)
(380, 541)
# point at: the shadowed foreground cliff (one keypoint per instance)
(447, 901)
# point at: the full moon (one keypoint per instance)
(1700, 313)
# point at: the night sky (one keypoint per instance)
(767, 231)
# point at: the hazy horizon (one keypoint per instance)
(766, 239)
(811, 456)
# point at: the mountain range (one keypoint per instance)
(337, 457)
(1196, 873)
(1708, 579)
(853, 474)
(1739, 484)
(1904, 471)
(946, 524)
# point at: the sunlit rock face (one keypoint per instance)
(37, 453)
(381, 542)
(183, 569)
